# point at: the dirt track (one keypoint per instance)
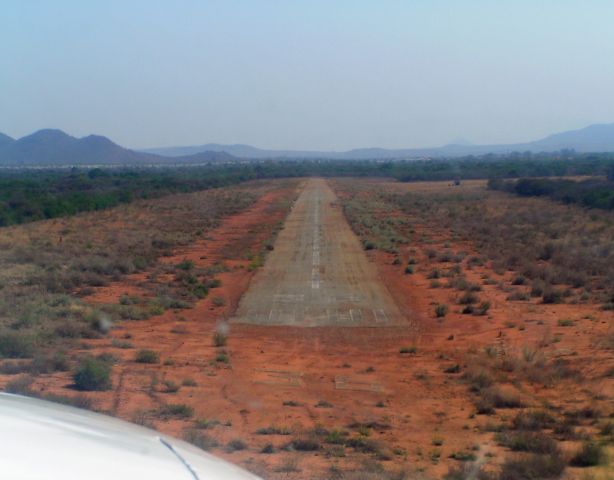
(318, 274)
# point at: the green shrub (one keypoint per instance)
(537, 288)
(256, 262)
(437, 441)
(75, 329)
(126, 299)
(107, 357)
(452, 368)
(222, 357)
(20, 386)
(185, 265)
(463, 456)
(503, 398)
(532, 420)
(176, 410)
(116, 343)
(336, 437)
(478, 380)
(468, 298)
(273, 430)
(199, 290)
(165, 302)
(219, 339)
(467, 471)
(411, 350)
(235, 445)
(213, 283)
(199, 439)
(14, 368)
(147, 356)
(205, 424)
(565, 431)
(268, 448)
(441, 310)
(368, 245)
(484, 406)
(482, 309)
(518, 296)
(607, 429)
(589, 455)
(93, 374)
(309, 444)
(16, 345)
(364, 445)
(552, 295)
(525, 441)
(288, 465)
(171, 387)
(49, 363)
(77, 401)
(434, 274)
(533, 467)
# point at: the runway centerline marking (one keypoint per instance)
(318, 273)
(315, 258)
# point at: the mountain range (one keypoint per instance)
(51, 147)
(594, 138)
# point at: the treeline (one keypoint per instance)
(515, 165)
(28, 195)
(592, 193)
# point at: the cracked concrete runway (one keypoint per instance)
(318, 273)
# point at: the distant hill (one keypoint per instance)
(237, 150)
(594, 138)
(54, 147)
(51, 147)
(5, 139)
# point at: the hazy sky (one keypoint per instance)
(306, 74)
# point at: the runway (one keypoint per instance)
(318, 273)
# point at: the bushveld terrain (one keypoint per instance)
(36, 194)
(504, 367)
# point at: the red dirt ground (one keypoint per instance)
(333, 377)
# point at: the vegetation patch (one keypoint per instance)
(590, 454)
(199, 439)
(93, 374)
(175, 410)
(147, 356)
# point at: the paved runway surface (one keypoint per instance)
(318, 273)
